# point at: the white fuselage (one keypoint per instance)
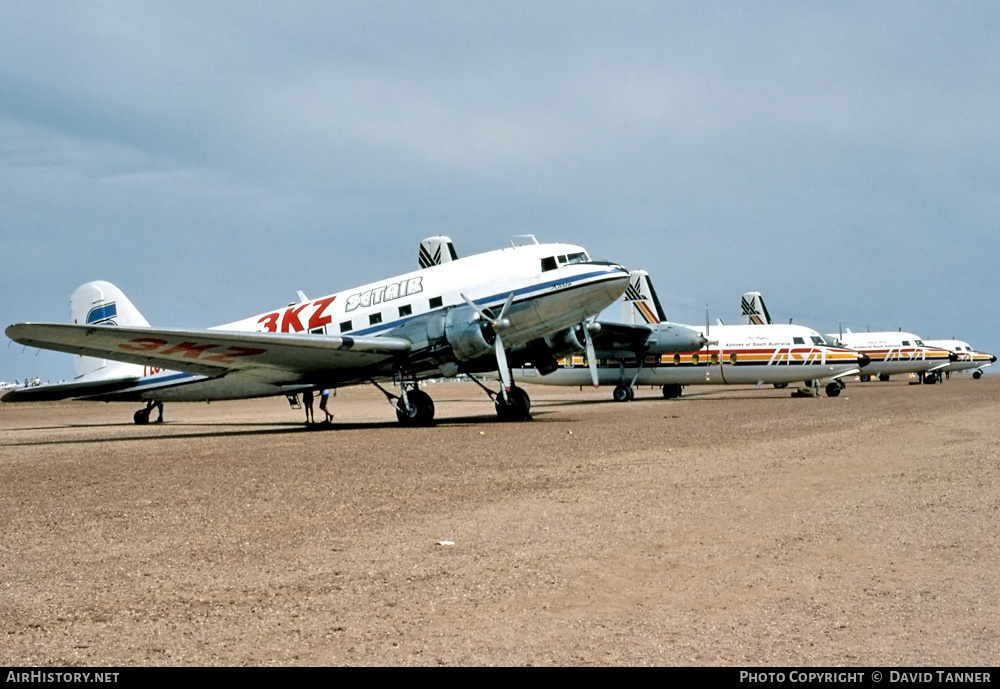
(895, 352)
(967, 358)
(743, 355)
(555, 286)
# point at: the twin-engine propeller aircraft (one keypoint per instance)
(463, 316)
(890, 352)
(728, 355)
(968, 359)
(602, 339)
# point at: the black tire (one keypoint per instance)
(780, 386)
(420, 411)
(884, 377)
(833, 389)
(621, 394)
(671, 391)
(976, 375)
(517, 406)
(865, 378)
(141, 417)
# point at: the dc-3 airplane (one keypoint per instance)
(968, 359)
(890, 352)
(601, 339)
(729, 355)
(463, 316)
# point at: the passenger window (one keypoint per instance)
(346, 327)
(375, 319)
(798, 340)
(906, 343)
(436, 302)
(405, 310)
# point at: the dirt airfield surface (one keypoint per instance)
(727, 527)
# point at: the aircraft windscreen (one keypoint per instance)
(580, 257)
(818, 340)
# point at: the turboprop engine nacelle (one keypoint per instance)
(668, 338)
(470, 337)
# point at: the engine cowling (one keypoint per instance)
(470, 337)
(566, 341)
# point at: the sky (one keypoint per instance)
(211, 158)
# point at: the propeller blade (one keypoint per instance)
(591, 356)
(502, 366)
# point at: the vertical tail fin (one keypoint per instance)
(753, 311)
(102, 304)
(436, 250)
(640, 304)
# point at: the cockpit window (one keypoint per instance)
(906, 343)
(548, 263)
(920, 343)
(798, 340)
(818, 340)
(580, 257)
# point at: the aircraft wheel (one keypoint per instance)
(976, 375)
(671, 391)
(631, 394)
(420, 411)
(780, 386)
(883, 377)
(833, 389)
(621, 394)
(141, 417)
(865, 378)
(931, 378)
(517, 406)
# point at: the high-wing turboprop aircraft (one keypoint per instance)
(733, 355)
(463, 316)
(890, 352)
(968, 359)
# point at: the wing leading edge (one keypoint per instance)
(274, 357)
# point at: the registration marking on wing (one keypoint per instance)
(189, 350)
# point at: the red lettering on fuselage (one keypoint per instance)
(290, 321)
(270, 322)
(317, 319)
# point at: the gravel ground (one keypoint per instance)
(728, 527)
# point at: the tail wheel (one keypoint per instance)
(517, 406)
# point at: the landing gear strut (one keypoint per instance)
(141, 417)
(413, 407)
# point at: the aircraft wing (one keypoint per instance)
(60, 391)
(268, 357)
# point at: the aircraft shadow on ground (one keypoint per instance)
(283, 428)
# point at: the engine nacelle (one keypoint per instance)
(469, 336)
(669, 338)
(566, 341)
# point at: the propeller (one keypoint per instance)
(591, 355)
(498, 324)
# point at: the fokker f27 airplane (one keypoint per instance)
(890, 352)
(732, 355)
(459, 317)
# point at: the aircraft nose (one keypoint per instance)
(993, 359)
(864, 360)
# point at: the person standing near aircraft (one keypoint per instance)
(324, 399)
(307, 402)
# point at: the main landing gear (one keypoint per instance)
(414, 407)
(141, 417)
